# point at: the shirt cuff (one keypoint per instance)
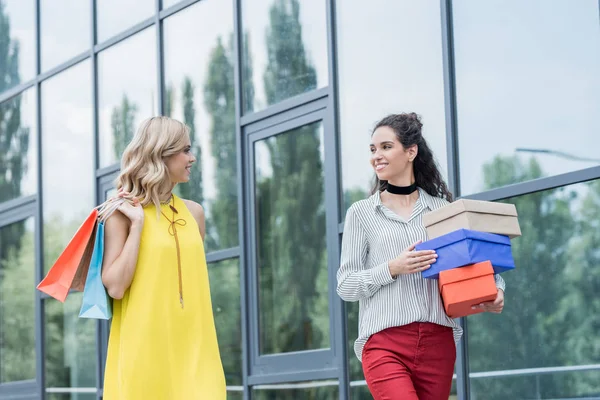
(500, 284)
(380, 275)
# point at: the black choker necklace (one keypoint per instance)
(401, 189)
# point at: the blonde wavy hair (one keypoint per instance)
(144, 173)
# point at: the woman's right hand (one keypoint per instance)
(131, 208)
(410, 261)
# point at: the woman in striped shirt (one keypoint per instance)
(406, 342)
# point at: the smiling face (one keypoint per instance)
(179, 165)
(390, 160)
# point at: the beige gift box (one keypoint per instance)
(477, 215)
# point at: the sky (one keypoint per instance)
(526, 74)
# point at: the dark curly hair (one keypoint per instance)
(427, 175)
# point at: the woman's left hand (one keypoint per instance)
(495, 306)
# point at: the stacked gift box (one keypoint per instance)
(472, 241)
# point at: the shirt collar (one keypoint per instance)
(423, 196)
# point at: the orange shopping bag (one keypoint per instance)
(70, 269)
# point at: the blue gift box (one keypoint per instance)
(464, 246)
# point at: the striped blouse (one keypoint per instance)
(374, 235)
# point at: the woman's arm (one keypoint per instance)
(122, 234)
(354, 281)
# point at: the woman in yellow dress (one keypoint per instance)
(163, 342)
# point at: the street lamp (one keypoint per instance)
(557, 153)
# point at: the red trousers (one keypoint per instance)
(410, 362)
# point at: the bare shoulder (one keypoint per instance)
(117, 222)
(196, 209)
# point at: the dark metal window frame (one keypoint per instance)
(302, 365)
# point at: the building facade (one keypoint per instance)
(281, 97)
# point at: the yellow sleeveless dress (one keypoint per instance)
(157, 349)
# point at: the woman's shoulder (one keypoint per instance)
(196, 209)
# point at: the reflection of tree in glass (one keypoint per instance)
(16, 247)
(122, 124)
(17, 344)
(288, 71)
(291, 218)
(193, 190)
(579, 310)
(225, 296)
(70, 345)
(14, 138)
(219, 101)
(528, 333)
(221, 224)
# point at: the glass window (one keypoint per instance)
(17, 319)
(284, 50)
(200, 92)
(318, 390)
(551, 315)
(237, 394)
(70, 359)
(116, 16)
(18, 146)
(290, 223)
(169, 3)
(380, 73)
(225, 294)
(67, 153)
(17, 35)
(71, 396)
(527, 84)
(61, 41)
(126, 93)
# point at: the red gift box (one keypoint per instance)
(464, 287)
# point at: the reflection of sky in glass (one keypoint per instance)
(128, 68)
(62, 41)
(116, 16)
(187, 56)
(169, 3)
(21, 16)
(314, 36)
(527, 76)
(68, 156)
(390, 62)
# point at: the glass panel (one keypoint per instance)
(115, 16)
(126, 92)
(169, 3)
(17, 35)
(565, 385)
(406, 77)
(18, 146)
(527, 82)
(355, 366)
(237, 395)
(70, 359)
(284, 50)
(552, 313)
(200, 92)
(225, 294)
(67, 153)
(17, 318)
(292, 255)
(323, 390)
(61, 41)
(69, 396)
